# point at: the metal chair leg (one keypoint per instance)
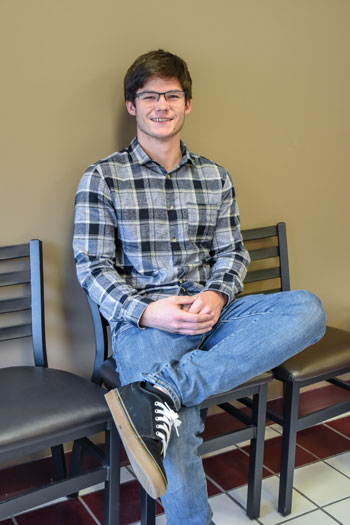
(112, 484)
(257, 453)
(290, 418)
(148, 509)
(59, 463)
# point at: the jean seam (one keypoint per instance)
(243, 316)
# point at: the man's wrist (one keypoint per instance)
(222, 296)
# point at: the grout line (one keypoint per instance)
(223, 491)
(335, 430)
(264, 466)
(14, 521)
(333, 467)
(129, 469)
(336, 501)
(87, 508)
(292, 518)
(212, 480)
(330, 516)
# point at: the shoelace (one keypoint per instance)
(167, 418)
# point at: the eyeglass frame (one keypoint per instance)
(158, 94)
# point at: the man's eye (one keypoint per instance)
(173, 96)
(149, 97)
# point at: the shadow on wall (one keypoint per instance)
(125, 129)
(79, 328)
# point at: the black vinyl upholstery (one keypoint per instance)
(43, 405)
(42, 408)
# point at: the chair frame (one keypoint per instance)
(64, 484)
(254, 429)
(289, 419)
(291, 390)
(292, 423)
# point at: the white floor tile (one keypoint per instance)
(341, 462)
(125, 475)
(160, 520)
(314, 518)
(269, 434)
(340, 510)
(227, 512)
(269, 497)
(277, 427)
(321, 483)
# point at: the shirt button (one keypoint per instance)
(168, 176)
(181, 281)
(173, 239)
(171, 207)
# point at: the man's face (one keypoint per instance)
(163, 119)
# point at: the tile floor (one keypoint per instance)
(321, 494)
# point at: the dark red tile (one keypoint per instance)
(25, 476)
(230, 469)
(321, 397)
(33, 474)
(272, 455)
(314, 399)
(221, 424)
(342, 425)
(276, 405)
(130, 503)
(70, 512)
(322, 441)
(6, 522)
(212, 489)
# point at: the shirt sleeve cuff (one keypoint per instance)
(134, 310)
(224, 289)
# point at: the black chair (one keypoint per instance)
(328, 359)
(43, 408)
(325, 361)
(264, 275)
(254, 422)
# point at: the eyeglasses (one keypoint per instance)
(151, 97)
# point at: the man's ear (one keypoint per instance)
(188, 106)
(130, 107)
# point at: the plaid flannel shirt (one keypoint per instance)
(142, 233)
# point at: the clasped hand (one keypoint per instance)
(184, 314)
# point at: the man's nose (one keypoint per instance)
(162, 102)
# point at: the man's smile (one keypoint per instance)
(158, 119)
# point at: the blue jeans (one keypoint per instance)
(254, 334)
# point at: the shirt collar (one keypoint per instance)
(140, 156)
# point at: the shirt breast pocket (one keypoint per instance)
(201, 221)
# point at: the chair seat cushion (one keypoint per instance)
(330, 354)
(37, 403)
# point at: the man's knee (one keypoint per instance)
(310, 310)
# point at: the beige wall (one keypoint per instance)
(271, 103)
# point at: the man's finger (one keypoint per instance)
(189, 317)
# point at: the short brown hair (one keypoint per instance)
(156, 63)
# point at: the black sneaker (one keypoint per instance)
(144, 420)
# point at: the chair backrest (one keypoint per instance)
(269, 269)
(22, 296)
(268, 273)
